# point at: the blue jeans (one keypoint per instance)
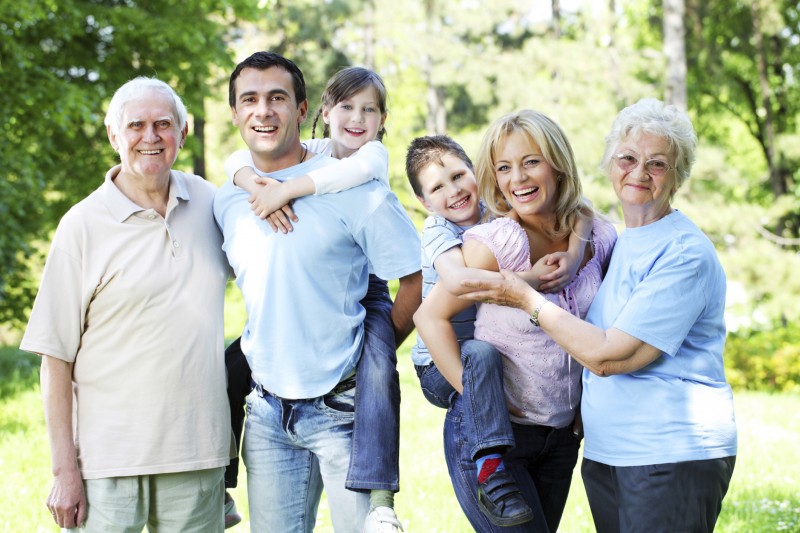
(292, 448)
(483, 402)
(541, 463)
(375, 461)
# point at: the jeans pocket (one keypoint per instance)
(340, 402)
(434, 399)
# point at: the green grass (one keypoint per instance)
(764, 495)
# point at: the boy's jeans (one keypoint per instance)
(483, 402)
(292, 448)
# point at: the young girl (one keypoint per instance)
(353, 108)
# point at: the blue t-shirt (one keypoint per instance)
(666, 287)
(438, 236)
(302, 290)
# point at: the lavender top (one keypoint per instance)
(540, 379)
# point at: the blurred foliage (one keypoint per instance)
(60, 62)
(764, 360)
(19, 371)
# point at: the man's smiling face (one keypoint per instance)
(269, 117)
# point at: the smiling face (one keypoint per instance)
(528, 183)
(269, 117)
(644, 198)
(450, 191)
(354, 121)
(149, 136)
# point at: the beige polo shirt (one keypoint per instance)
(136, 302)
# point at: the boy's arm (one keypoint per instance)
(371, 161)
(433, 325)
(570, 261)
(433, 317)
(450, 267)
(452, 271)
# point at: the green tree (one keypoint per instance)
(60, 62)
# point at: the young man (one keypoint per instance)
(302, 291)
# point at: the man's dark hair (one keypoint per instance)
(263, 61)
(430, 149)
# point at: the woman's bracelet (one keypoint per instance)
(535, 315)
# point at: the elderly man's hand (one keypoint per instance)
(511, 291)
(67, 500)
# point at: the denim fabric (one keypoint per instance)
(435, 388)
(541, 463)
(375, 460)
(483, 401)
(292, 448)
(662, 498)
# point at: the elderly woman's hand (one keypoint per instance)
(511, 291)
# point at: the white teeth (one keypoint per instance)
(352, 130)
(149, 152)
(264, 129)
(523, 192)
(460, 203)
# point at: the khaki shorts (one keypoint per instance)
(183, 502)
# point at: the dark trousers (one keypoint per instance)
(683, 497)
(239, 386)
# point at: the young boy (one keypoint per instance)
(441, 175)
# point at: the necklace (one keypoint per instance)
(305, 153)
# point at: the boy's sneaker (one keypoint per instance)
(502, 502)
(232, 516)
(382, 520)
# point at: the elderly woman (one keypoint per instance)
(129, 324)
(528, 178)
(658, 413)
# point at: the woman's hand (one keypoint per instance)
(511, 291)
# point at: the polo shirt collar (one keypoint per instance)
(121, 207)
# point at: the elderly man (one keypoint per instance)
(302, 290)
(129, 324)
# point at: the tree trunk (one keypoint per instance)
(555, 6)
(675, 50)
(369, 34)
(198, 130)
(777, 181)
(436, 119)
(613, 55)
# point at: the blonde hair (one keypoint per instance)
(557, 152)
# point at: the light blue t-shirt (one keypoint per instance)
(438, 236)
(666, 287)
(302, 290)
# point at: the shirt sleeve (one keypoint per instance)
(438, 236)
(237, 161)
(390, 240)
(669, 299)
(57, 318)
(370, 162)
